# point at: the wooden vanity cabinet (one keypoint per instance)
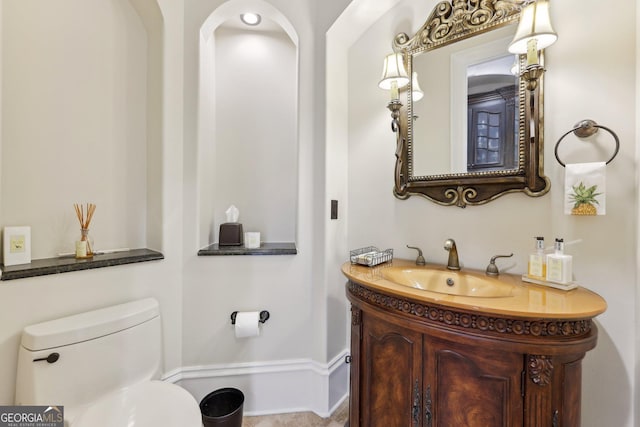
(425, 365)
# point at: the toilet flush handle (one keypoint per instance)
(52, 358)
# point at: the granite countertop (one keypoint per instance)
(265, 248)
(64, 264)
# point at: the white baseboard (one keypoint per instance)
(274, 387)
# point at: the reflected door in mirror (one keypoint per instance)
(492, 127)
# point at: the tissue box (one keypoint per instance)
(230, 234)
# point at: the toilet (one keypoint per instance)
(103, 367)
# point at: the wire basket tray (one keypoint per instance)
(370, 256)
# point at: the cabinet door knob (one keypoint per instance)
(348, 359)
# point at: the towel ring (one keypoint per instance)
(584, 129)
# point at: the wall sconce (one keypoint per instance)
(394, 77)
(534, 33)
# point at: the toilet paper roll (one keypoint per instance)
(247, 324)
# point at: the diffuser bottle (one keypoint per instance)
(559, 265)
(84, 245)
(537, 268)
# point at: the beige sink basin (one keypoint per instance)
(505, 295)
(448, 282)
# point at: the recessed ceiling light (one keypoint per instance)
(250, 18)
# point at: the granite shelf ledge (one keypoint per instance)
(264, 249)
(43, 267)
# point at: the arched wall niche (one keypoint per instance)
(90, 98)
(151, 16)
(232, 9)
(248, 122)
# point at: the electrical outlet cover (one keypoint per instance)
(16, 246)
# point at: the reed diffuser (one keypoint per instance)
(84, 246)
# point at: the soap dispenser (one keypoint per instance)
(559, 265)
(537, 268)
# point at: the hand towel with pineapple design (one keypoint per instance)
(585, 186)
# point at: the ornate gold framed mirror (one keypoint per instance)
(478, 132)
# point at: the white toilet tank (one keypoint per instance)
(97, 352)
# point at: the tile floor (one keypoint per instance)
(301, 419)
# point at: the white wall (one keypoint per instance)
(255, 162)
(154, 59)
(636, 378)
(290, 287)
(75, 115)
(591, 74)
(1, 85)
(77, 94)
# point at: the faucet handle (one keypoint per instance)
(420, 260)
(492, 268)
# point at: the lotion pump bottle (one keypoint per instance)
(559, 265)
(537, 262)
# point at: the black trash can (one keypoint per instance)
(222, 408)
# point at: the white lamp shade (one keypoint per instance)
(393, 71)
(416, 92)
(515, 68)
(535, 23)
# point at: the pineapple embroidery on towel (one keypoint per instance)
(584, 200)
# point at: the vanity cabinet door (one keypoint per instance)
(390, 373)
(471, 386)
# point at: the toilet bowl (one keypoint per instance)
(103, 367)
(150, 403)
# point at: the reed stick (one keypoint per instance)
(80, 213)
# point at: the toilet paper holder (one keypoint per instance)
(264, 316)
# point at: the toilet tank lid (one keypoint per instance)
(88, 325)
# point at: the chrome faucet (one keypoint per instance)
(453, 263)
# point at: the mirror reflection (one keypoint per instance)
(492, 122)
(468, 120)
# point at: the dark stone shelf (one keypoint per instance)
(43, 267)
(264, 249)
